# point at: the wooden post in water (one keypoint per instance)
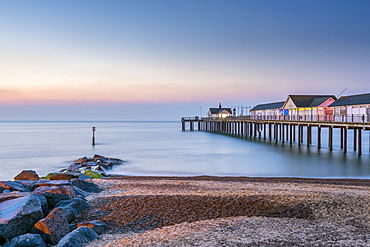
(93, 137)
(308, 135)
(359, 142)
(354, 139)
(345, 140)
(330, 138)
(270, 132)
(319, 137)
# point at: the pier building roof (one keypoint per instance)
(358, 99)
(307, 100)
(219, 110)
(268, 106)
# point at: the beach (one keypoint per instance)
(231, 211)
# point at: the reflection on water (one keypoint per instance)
(161, 148)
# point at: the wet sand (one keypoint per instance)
(231, 211)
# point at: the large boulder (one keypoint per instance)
(78, 237)
(27, 175)
(13, 186)
(73, 207)
(98, 226)
(17, 216)
(30, 184)
(55, 194)
(61, 176)
(86, 185)
(26, 240)
(12, 195)
(48, 183)
(53, 227)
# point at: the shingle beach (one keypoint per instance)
(231, 211)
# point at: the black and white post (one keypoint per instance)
(93, 137)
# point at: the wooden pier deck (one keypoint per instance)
(285, 131)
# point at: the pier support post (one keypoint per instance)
(308, 135)
(354, 139)
(319, 137)
(359, 142)
(345, 140)
(330, 138)
(291, 134)
(270, 133)
(183, 126)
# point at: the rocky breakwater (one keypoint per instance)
(38, 211)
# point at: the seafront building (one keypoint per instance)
(270, 111)
(296, 107)
(352, 108)
(308, 107)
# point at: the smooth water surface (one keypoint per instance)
(161, 148)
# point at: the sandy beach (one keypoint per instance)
(231, 211)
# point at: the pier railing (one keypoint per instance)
(352, 118)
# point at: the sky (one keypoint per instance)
(164, 59)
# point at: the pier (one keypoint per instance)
(284, 131)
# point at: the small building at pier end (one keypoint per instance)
(352, 108)
(219, 112)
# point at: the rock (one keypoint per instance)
(72, 227)
(97, 156)
(6, 191)
(13, 186)
(98, 226)
(13, 195)
(45, 182)
(80, 193)
(86, 185)
(62, 176)
(26, 240)
(17, 216)
(30, 184)
(55, 194)
(78, 237)
(44, 204)
(73, 207)
(83, 177)
(53, 227)
(82, 160)
(27, 175)
(93, 174)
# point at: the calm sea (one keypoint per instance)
(161, 148)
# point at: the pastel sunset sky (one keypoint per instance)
(163, 59)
